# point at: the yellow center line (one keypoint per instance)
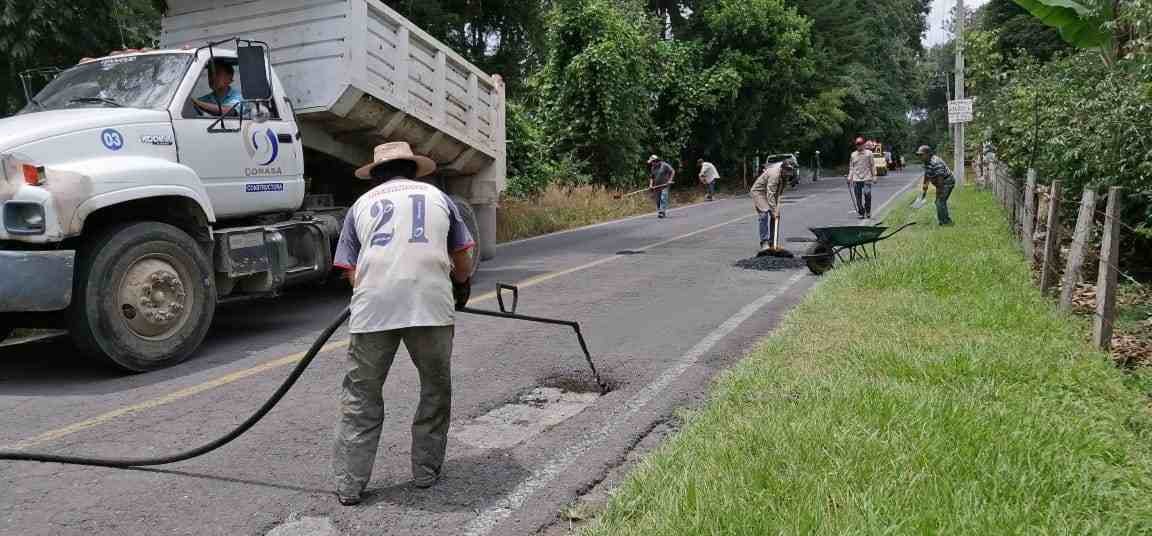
(295, 358)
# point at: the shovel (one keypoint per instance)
(775, 250)
(919, 202)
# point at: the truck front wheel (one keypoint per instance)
(144, 296)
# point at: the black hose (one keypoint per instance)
(199, 451)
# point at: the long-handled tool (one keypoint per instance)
(643, 190)
(510, 313)
(276, 397)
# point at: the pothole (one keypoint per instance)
(770, 264)
(579, 383)
(526, 416)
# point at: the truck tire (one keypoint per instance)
(469, 217)
(5, 331)
(144, 296)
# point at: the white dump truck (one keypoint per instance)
(129, 209)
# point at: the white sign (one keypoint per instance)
(960, 111)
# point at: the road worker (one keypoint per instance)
(937, 174)
(660, 179)
(861, 176)
(766, 192)
(406, 250)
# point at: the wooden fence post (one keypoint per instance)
(1051, 239)
(1106, 281)
(1028, 226)
(1080, 237)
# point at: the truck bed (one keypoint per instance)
(358, 74)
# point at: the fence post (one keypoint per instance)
(1106, 281)
(1028, 226)
(1084, 223)
(1017, 209)
(1051, 239)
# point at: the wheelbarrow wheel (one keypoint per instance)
(820, 258)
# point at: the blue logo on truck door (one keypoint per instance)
(262, 145)
(112, 139)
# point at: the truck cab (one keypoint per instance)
(130, 207)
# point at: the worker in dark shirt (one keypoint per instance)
(937, 174)
(660, 179)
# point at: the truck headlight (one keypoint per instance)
(22, 218)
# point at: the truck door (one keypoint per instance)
(248, 160)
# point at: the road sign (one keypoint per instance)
(960, 111)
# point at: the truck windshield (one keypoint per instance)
(144, 81)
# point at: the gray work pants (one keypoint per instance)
(362, 403)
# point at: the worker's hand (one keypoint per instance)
(461, 292)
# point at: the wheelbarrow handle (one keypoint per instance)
(898, 229)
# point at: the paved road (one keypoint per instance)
(661, 322)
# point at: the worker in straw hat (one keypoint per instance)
(407, 252)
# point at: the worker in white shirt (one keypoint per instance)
(408, 254)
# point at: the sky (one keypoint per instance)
(940, 9)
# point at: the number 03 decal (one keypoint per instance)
(383, 212)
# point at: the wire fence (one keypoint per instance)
(1033, 210)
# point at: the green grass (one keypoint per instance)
(933, 391)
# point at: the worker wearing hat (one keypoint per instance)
(408, 254)
(861, 177)
(660, 179)
(766, 192)
(937, 174)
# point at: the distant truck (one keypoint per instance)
(127, 214)
(879, 161)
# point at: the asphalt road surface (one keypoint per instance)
(662, 305)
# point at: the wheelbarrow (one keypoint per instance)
(847, 243)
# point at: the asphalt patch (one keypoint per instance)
(770, 264)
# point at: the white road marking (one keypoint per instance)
(487, 520)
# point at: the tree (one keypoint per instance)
(54, 33)
(596, 85)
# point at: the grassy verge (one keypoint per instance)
(933, 391)
(560, 208)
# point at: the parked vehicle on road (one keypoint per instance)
(128, 213)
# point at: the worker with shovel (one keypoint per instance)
(766, 192)
(937, 174)
(406, 250)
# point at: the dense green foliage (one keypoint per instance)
(598, 85)
(1077, 109)
(55, 33)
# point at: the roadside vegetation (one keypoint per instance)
(560, 208)
(932, 391)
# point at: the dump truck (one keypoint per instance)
(128, 211)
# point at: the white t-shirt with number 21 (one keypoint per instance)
(398, 237)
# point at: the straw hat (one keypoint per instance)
(397, 150)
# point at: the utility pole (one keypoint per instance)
(958, 137)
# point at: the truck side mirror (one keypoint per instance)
(254, 83)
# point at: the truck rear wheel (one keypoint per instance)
(144, 296)
(469, 217)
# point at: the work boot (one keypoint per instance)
(348, 498)
(661, 214)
